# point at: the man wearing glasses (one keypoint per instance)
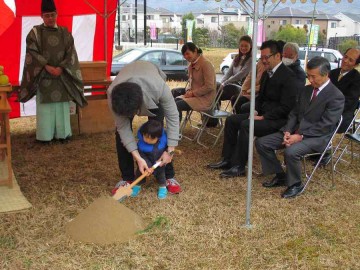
(52, 73)
(277, 96)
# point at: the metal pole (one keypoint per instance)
(105, 30)
(144, 22)
(136, 9)
(252, 109)
(118, 35)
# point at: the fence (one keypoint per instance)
(335, 41)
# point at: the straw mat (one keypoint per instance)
(11, 199)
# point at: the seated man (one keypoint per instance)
(290, 57)
(308, 129)
(347, 79)
(276, 98)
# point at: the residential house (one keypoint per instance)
(350, 24)
(329, 25)
(215, 18)
(164, 20)
(285, 16)
(298, 18)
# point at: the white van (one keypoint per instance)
(225, 64)
(333, 56)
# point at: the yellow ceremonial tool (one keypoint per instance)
(124, 192)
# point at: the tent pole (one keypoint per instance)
(252, 109)
(105, 30)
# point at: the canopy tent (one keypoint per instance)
(90, 21)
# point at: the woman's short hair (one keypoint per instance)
(152, 128)
(191, 47)
(126, 99)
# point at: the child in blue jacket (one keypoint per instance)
(151, 145)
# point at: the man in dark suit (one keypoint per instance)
(277, 96)
(347, 79)
(308, 129)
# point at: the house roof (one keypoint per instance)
(319, 15)
(289, 12)
(354, 17)
(223, 11)
(149, 10)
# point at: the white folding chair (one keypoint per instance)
(349, 137)
(196, 120)
(329, 148)
(216, 112)
(191, 120)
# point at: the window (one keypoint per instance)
(282, 22)
(124, 18)
(333, 25)
(297, 21)
(150, 17)
(308, 22)
(174, 59)
(165, 20)
(213, 19)
(227, 19)
(312, 54)
(272, 22)
(133, 17)
(199, 21)
(330, 57)
(247, 19)
(153, 57)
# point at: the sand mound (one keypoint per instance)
(105, 221)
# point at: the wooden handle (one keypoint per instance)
(124, 192)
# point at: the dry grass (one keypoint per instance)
(201, 228)
(216, 56)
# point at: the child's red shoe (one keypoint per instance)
(173, 186)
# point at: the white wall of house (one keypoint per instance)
(349, 26)
(214, 21)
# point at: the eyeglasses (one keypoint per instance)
(266, 57)
(49, 15)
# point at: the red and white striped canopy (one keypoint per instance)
(302, 1)
(84, 18)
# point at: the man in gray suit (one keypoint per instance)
(308, 129)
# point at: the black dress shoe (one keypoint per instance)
(233, 172)
(292, 191)
(223, 164)
(275, 182)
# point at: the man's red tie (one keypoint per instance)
(314, 94)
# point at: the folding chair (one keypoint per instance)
(194, 123)
(216, 112)
(329, 147)
(196, 120)
(350, 136)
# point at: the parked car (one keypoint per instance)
(225, 64)
(333, 56)
(171, 62)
